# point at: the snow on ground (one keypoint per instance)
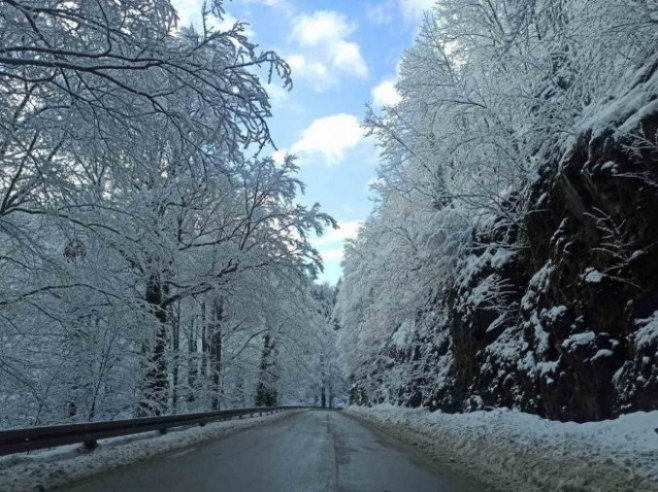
(48, 469)
(515, 451)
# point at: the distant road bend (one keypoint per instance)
(307, 452)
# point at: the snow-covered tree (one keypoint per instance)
(148, 242)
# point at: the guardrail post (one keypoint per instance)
(163, 431)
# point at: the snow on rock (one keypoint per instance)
(554, 313)
(609, 166)
(627, 110)
(648, 334)
(403, 334)
(592, 276)
(602, 354)
(50, 469)
(537, 284)
(579, 339)
(518, 451)
(547, 367)
(502, 257)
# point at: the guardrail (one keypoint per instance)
(19, 440)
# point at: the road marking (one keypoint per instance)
(181, 453)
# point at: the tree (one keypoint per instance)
(138, 211)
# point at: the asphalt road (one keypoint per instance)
(306, 452)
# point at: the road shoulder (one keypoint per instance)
(57, 468)
(503, 463)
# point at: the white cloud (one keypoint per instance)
(382, 13)
(313, 70)
(374, 183)
(331, 247)
(325, 50)
(335, 254)
(296, 61)
(321, 27)
(279, 156)
(385, 93)
(348, 58)
(279, 95)
(282, 5)
(189, 12)
(330, 136)
(269, 3)
(346, 230)
(414, 10)
(228, 22)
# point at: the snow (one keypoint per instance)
(579, 339)
(541, 336)
(513, 450)
(403, 334)
(636, 254)
(554, 313)
(537, 284)
(627, 110)
(592, 276)
(547, 367)
(602, 354)
(52, 468)
(509, 346)
(502, 257)
(648, 334)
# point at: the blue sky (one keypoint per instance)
(344, 54)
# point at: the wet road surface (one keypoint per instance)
(306, 452)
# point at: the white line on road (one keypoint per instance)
(181, 453)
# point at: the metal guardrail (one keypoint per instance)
(19, 440)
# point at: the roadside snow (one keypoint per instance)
(517, 451)
(52, 468)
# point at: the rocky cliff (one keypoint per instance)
(557, 313)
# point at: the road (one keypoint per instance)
(306, 452)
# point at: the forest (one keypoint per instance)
(155, 259)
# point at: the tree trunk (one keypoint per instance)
(155, 385)
(192, 364)
(266, 394)
(203, 382)
(175, 345)
(215, 354)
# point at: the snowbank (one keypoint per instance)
(49, 469)
(513, 451)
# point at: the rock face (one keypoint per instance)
(566, 327)
(596, 236)
(558, 314)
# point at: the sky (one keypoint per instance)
(343, 54)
